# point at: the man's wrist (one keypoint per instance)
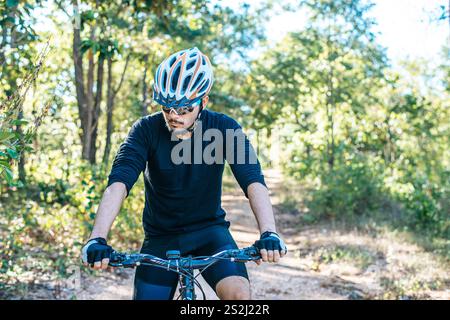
(97, 235)
(268, 230)
(268, 234)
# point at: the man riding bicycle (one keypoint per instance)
(183, 198)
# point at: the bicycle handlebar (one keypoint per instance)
(126, 260)
(184, 266)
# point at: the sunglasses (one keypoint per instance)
(183, 110)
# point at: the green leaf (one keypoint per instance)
(96, 47)
(88, 15)
(7, 22)
(8, 175)
(5, 135)
(13, 153)
(18, 122)
(12, 3)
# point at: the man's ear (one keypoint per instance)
(205, 101)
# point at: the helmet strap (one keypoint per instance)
(194, 124)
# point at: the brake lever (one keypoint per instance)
(251, 252)
(122, 260)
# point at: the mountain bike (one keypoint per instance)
(184, 266)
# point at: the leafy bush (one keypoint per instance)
(353, 188)
(426, 204)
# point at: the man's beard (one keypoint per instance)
(175, 131)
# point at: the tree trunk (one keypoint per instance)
(88, 105)
(88, 116)
(330, 106)
(388, 146)
(79, 79)
(145, 102)
(109, 113)
(330, 117)
(257, 142)
(110, 102)
(269, 144)
(96, 111)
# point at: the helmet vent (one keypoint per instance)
(175, 77)
(172, 61)
(199, 78)
(190, 65)
(163, 84)
(185, 84)
(205, 86)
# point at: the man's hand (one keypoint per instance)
(271, 247)
(96, 253)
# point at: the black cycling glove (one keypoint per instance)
(95, 250)
(271, 241)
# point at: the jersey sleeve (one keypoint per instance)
(131, 157)
(241, 156)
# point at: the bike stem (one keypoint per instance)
(187, 290)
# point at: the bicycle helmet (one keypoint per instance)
(183, 78)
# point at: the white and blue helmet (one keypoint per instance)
(183, 78)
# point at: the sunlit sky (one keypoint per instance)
(405, 27)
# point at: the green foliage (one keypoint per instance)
(426, 203)
(16, 50)
(352, 188)
(13, 141)
(105, 47)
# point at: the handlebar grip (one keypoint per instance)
(252, 251)
(116, 257)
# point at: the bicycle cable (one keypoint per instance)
(181, 271)
(196, 283)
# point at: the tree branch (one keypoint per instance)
(115, 91)
(60, 6)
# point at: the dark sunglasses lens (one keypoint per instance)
(183, 111)
(180, 111)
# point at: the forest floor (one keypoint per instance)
(325, 260)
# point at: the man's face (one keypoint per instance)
(179, 123)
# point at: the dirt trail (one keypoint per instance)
(322, 262)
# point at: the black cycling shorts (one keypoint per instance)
(153, 283)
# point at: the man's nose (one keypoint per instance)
(174, 112)
(173, 116)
